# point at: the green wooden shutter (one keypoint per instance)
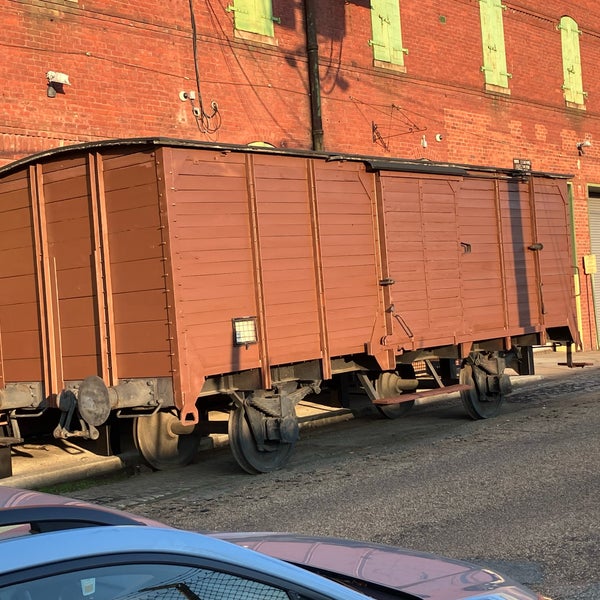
(255, 16)
(387, 32)
(573, 83)
(492, 37)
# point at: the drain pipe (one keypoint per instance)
(314, 83)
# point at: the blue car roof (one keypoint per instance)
(28, 551)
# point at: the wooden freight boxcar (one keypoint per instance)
(164, 279)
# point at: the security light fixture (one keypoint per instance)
(56, 81)
(582, 145)
(57, 77)
(244, 331)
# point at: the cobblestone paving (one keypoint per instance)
(516, 492)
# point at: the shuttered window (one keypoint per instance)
(573, 84)
(492, 38)
(255, 16)
(387, 33)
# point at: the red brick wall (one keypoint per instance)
(127, 63)
(127, 66)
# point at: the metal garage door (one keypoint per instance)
(594, 220)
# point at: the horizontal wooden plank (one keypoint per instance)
(18, 317)
(188, 289)
(16, 238)
(185, 186)
(17, 289)
(196, 281)
(75, 283)
(188, 264)
(285, 190)
(296, 321)
(280, 257)
(126, 175)
(21, 344)
(205, 204)
(198, 245)
(64, 168)
(301, 301)
(135, 196)
(140, 244)
(13, 198)
(139, 306)
(148, 336)
(144, 364)
(115, 158)
(22, 369)
(137, 275)
(135, 219)
(17, 262)
(15, 219)
(80, 341)
(226, 306)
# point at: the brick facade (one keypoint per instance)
(128, 62)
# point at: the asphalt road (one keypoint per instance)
(519, 493)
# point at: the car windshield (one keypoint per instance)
(147, 581)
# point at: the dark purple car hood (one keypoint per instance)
(419, 574)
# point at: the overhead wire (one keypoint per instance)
(203, 119)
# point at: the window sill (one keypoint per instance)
(497, 89)
(388, 66)
(249, 36)
(575, 105)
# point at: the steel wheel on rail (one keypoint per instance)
(477, 402)
(245, 449)
(160, 446)
(390, 385)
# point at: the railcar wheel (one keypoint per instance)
(245, 450)
(478, 404)
(160, 446)
(389, 385)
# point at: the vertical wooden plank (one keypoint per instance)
(59, 383)
(47, 315)
(42, 307)
(258, 276)
(319, 280)
(536, 255)
(101, 308)
(185, 387)
(113, 374)
(163, 162)
(500, 241)
(383, 326)
(2, 382)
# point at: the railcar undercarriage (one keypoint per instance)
(262, 425)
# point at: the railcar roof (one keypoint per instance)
(373, 163)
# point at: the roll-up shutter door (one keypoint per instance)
(594, 220)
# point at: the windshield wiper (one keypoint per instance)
(183, 588)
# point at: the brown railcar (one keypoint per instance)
(161, 279)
